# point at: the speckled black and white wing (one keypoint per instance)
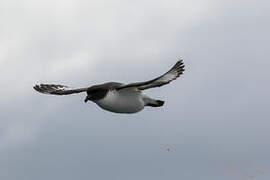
(57, 89)
(166, 78)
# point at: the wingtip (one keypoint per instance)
(179, 66)
(180, 60)
(37, 88)
(179, 63)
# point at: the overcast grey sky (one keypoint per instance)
(216, 116)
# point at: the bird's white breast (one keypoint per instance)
(128, 100)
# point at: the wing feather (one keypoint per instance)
(166, 78)
(57, 89)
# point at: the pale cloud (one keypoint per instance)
(54, 39)
(16, 135)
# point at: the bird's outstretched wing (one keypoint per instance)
(57, 89)
(166, 78)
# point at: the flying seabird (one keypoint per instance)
(118, 97)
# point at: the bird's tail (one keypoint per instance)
(154, 103)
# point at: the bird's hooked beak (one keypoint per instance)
(87, 98)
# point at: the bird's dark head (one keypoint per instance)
(95, 93)
(87, 98)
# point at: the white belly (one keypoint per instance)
(124, 101)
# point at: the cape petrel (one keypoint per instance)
(118, 97)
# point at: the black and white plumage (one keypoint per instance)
(119, 97)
